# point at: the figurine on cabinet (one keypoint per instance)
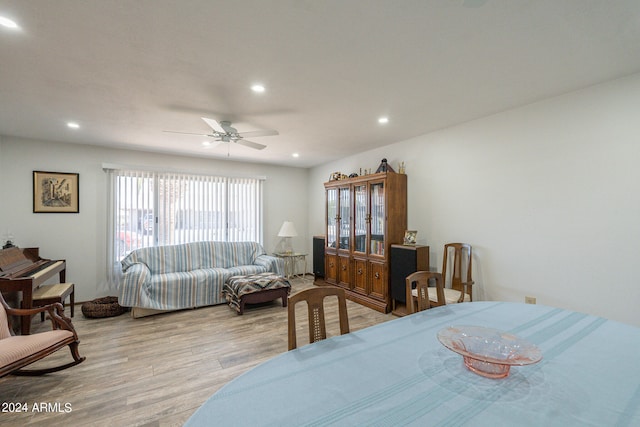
(384, 167)
(401, 168)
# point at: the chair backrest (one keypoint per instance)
(315, 305)
(456, 265)
(5, 325)
(420, 281)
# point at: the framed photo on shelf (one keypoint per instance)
(56, 192)
(410, 237)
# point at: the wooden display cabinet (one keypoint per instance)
(364, 216)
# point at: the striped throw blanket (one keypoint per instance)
(189, 275)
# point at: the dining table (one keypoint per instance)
(399, 373)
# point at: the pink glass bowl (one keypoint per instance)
(489, 352)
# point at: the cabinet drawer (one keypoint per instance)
(331, 268)
(344, 271)
(360, 276)
(379, 282)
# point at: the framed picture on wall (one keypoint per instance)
(56, 192)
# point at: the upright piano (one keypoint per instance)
(23, 271)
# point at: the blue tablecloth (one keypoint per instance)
(398, 373)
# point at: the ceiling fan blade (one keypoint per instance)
(251, 144)
(259, 133)
(214, 125)
(188, 133)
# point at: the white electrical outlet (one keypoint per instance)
(529, 300)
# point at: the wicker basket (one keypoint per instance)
(102, 307)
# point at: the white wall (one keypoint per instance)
(548, 195)
(81, 238)
(4, 184)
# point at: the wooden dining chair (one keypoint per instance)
(19, 351)
(456, 275)
(418, 290)
(314, 298)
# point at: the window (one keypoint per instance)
(156, 208)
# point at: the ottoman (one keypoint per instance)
(255, 288)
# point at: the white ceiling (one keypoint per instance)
(127, 70)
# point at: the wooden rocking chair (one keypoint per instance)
(18, 351)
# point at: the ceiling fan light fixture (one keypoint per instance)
(8, 23)
(223, 132)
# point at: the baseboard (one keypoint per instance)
(137, 312)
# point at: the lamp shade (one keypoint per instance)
(287, 230)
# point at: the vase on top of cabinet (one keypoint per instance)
(364, 217)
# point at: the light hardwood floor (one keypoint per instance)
(156, 371)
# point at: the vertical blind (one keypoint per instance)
(149, 208)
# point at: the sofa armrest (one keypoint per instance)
(272, 263)
(133, 279)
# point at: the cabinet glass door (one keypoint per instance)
(360, 218)
(332, 217)
(345, 218)
(377, 218)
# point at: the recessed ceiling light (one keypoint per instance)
(258, 88)
(206, 144)
(296, 155)
(73, 125)
(6, 22)
(383, 120)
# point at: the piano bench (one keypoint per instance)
(49, 294)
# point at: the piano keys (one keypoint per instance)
(22, 271)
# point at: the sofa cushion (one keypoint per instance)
(243, 270)
(172, 291)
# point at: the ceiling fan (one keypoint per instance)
(224, 132)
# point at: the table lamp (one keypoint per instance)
(287, 231)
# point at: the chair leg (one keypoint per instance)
(73, 347)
